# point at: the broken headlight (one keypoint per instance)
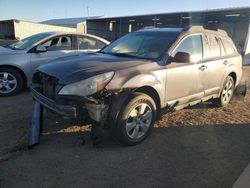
(88, 86)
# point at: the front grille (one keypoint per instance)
(47, 84)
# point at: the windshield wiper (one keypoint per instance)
(122, 55)
(101, 52)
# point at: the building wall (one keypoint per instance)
(247, 49)
(24, 29)
(7, 30)
(99, 28)
(4, 42)
(81, 27)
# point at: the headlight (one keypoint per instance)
(88, 86)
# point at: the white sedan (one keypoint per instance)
(19, 60)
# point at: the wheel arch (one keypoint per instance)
(120, 99)
(234, 76)
(19, 70)
(150, 91)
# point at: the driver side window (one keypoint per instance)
(191, 45)
(58, 43)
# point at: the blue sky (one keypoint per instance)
(39, 10)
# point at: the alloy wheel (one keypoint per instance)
(139, 120)
(8, 82)
(227, 91)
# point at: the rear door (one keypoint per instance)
(183, 82)
(215, 63)
(88, 44)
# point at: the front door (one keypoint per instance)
(57, 47)
(183, 83)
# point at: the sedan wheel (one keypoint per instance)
(11, 81)
(8, 82)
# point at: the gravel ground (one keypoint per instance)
(15, 116)
(201, 146)
(237, 112)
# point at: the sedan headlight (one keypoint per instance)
(88, 86)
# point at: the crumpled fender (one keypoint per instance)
(156, 80)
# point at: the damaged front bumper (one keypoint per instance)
(93, 109)
(63, 110)
(97, 112)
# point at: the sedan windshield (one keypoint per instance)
(146, 45)
(27, 42)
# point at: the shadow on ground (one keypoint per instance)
(208, 156)
(201, 146)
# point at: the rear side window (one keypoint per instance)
(213, 48)
(229, 46)
(222, 49)
(88, 43)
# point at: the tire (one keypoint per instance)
(136, 119)
(226, 93)
(11, 82)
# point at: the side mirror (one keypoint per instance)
(40, 49)
(182, 57)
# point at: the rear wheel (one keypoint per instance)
(136, 119)
(226, 93)
(11, 82)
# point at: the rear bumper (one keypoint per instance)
(63, 110)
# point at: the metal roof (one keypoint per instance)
(68, 21)
(208, 11)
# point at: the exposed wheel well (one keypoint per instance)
(155, 96)
(233, 75)
(20, 71)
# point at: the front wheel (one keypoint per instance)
(11, 82)
(136, 119)
(226, 92)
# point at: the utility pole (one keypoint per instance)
(88, 11)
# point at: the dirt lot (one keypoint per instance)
(201, 146)
(16, 115)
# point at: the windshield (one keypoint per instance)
(146, 45)
(27, 42)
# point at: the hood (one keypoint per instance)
(8, 51)
(79, 67)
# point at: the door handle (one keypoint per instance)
(203, 67)
(225, 62)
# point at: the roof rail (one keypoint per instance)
(223, 32)
(194, 28)
(201, 28)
